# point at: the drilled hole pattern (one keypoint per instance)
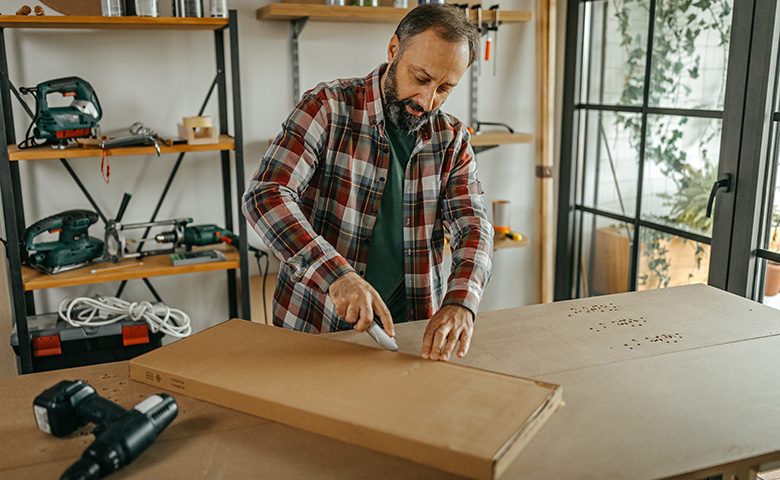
(629, 322)
(665, 338)
(598, 308)
(623, 322)
(658, 339)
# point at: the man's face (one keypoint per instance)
(418, 80)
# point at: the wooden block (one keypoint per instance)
(199, 135)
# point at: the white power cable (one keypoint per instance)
(99, 310)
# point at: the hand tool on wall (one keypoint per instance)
(73, 248)
(493, 28)
(464, 7)
(479, 126)
(57, 126)
(120, 435)
(478, 8)
(488, 45)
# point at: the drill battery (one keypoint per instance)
(55, 344)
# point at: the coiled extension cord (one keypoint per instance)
(99, 310)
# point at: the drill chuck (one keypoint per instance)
(166, 237)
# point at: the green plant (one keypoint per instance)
(679, 24)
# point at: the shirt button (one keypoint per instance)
(385, 149)
(361, 273)
(382, 179)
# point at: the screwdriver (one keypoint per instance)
(494, 41)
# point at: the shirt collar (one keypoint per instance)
(376, 114)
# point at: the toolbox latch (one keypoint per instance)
(46, 346)
(135, 334)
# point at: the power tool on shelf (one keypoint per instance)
(200, 235)
(57, 126)
(73, 248)
(120, 435)
(181, 237)
(117, 243)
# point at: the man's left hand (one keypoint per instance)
(451, 325)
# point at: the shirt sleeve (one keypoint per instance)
(472, 234)
(270, 203)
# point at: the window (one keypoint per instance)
(643, 122)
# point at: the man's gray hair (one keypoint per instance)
(450, 23)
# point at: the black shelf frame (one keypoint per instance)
(23, 302)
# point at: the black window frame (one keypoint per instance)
(735, 223)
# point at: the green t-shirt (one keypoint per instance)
(385, 266)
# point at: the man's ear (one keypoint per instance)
(393, 48)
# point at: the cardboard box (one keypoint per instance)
(459, 419)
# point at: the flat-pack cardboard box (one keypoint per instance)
(459, 419)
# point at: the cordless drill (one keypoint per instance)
(198, 236)
(120, 435)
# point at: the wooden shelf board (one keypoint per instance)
(489, 139)
(501, 243)
(153, 266)
(332, 13)
(112, 23)
(47, 153)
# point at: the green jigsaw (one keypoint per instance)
(59, 125)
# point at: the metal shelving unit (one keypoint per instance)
(23, 280)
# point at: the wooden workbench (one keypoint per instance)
(679, 382)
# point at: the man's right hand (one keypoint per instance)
(356, 302)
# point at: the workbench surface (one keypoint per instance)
(675, 382)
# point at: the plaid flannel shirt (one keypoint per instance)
(316, 194)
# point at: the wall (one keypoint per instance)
(158, 77)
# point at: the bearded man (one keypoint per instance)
(355, 193)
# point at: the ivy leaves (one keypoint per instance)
(680, 27)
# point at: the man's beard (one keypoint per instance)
(395, 108)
